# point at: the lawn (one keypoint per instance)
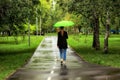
(82, 45)
(13, 56)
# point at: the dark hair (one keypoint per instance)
(62, 27)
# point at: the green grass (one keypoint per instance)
(84, 49)
(13, 56)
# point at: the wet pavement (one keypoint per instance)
(45, 65)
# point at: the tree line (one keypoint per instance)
(92, 15)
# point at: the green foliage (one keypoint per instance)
(32, 27)
(43, 13)
(15, 13)
(14, 56)
(90, 8)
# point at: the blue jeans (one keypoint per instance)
(62, 54)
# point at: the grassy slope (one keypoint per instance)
(13, 56)
(98, 57)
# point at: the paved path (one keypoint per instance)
(45, 65)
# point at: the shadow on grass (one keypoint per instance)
(13, 52)
(11, 42)
(83, 50)
(6, 42)
(89, 50)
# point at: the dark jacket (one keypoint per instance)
(62, 40)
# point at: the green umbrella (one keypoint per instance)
(63, 23)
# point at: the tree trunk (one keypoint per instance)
(117, 30)
(106, 39)
(40, 25)
(117, 25)
(23, 36)
(96, 41)
(36, 26)
(9, 33)
(29, 32)
(79, 28)
(106, 36)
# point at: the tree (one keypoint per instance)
(90, 10)
(108, 16)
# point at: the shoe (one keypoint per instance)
(61, 62)
(64, 62)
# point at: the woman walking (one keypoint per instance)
(62, 44)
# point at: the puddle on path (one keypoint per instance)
(44, 45)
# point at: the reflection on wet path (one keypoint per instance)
(45, 65)
(63, 70)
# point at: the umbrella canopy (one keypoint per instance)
(63, 23)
